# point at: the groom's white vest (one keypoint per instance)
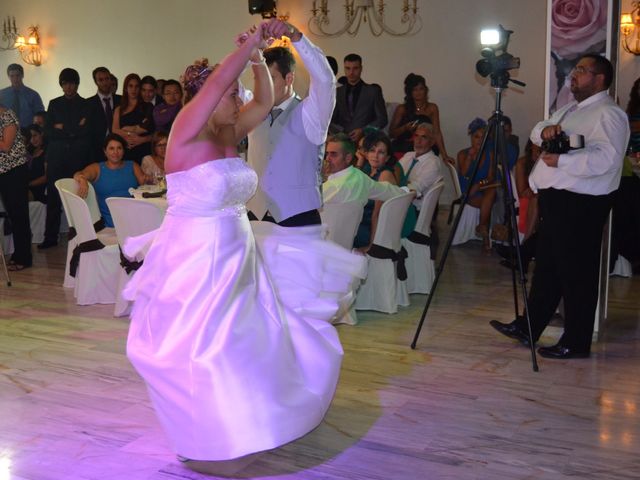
(288, 166)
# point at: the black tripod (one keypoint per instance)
(494, 130)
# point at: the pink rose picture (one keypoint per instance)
(577, 27)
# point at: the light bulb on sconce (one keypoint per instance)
(630, 27)
(28, 47)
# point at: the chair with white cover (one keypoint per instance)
(131, 218)
(341, 221)
(420, 269)
(96, 264)
(6, 240)
(37, 220)
(470, 215)
(622, 268)
(106, 235)
(382, 290)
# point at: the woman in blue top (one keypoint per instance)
(111, 178)
(482, 194)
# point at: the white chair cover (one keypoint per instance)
(37, 220)
(420, 269)
(381, 290)
(622, 267)
(106, 235)
(131, 218)
(470, 215)
(341, 221)
(97, 273)
(7, 240)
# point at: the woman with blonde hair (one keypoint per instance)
(231, 368)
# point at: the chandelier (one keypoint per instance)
(358, 12)
(28, 47)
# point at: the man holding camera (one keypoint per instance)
(575, 195)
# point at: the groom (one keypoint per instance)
(287, 149)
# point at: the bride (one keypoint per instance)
(233, 363)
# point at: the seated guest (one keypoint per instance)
(37, 166)
(346, 183)
(153, 165)
(416, 109)
(378, 146)
(513, 147)
(133, 119)
(421, 169)
(165, 113)
(527, 209)
(111, 178)
(40, 118)
(421, 166)
(483, 192)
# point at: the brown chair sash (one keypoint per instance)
(420, 238)
(84, 247)
(376, 251)
(129, 265)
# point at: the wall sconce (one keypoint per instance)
(630, 25)
(357, 12)
(28, 47)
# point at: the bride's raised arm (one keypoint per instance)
(257, 109)
(195, 114)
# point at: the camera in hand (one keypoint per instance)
(562, 143)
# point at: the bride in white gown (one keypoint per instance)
(232, 367)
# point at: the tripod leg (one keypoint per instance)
(445, 252)
(513, 227)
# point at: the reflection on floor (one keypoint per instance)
(464, 405)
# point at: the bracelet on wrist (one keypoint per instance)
(262, 61)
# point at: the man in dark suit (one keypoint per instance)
(358, 104)
(68, 130)
(101, 107)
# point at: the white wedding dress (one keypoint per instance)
(235, 343)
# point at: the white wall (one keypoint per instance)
(160, 37)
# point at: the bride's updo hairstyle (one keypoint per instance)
(194, 77)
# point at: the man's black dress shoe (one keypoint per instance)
(560, 351)
(511, 330)
(47, 244)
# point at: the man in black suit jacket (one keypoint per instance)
(101, 107)
(67, 130)
(358, 104)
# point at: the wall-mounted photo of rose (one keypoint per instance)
(577, 27)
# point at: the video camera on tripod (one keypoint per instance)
(497, 61)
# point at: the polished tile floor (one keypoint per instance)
(464, 405)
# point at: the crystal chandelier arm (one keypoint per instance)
(316, 25)
(412, 20)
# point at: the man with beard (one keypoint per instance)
(575, 196)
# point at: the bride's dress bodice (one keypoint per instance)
(210, 189)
